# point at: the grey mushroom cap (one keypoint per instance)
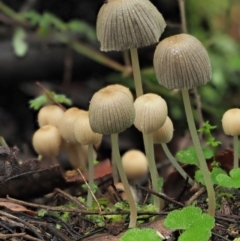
(181, 61)
(127, 24)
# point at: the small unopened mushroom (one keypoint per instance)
(66, 124)
(231, 126)
(182, 62)
(111, 111)
(84, 135)
(135, 164)
(151, 113)
(164, 135)
(50, 115)
(47, 141)
(129, 24)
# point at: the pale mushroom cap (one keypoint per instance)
(67, 122)
(111, 111)
(135, 164)
(50, 115)
(231, 122)
(165, 133)
(151, 112)
(83, 131)
(127, 24)
(47, 141)
(181, 61)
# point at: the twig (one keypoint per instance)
(195, 196)
(20, 235)
(71, 198)
(49, 96)
(219, 236)
(32, 228)
(226, 219)
(94, 197)
(77, 210)
(163, 196)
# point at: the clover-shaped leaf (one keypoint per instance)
(231, 181)
(140, 235)
(197, 225)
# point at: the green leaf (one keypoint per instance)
(19, 45)
(144, 234)
(33, 17)
(42, 212)
(38, 102)
(82, 28)
(191, 219)
(232, 181)
(208, 153)
(187, 156)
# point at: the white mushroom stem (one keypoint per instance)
(176, 164)
(90, 174)
(123, 177)
(235, 147)
(201, 159)
(136, 72)
(148, 144)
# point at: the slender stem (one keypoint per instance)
(123, 177)
(176, 164)
(181, 4)
(3, 142)
(136, 72)
(202, 162)
(149, 150)
(114, 171)
(90, 174)
(235, 146)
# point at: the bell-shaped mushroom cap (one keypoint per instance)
(47, 141)
(151, 112)
(135, 164)
(66, 124)
(83, 131)
(111, 111)
(50, 115)
(231, 122)
(165, 133)
(127, 24)
(182, 62)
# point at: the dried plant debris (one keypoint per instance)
(31, 179)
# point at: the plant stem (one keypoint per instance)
(3, 142)
(176, 164)
(235, 147)
(149, 150)
(123, 177)
(181, 4)
(114, 171)
(136, 72)
(202, 162)
(90, 174)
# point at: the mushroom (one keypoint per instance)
(181, 61)
(151, 113)
(47, 141)
(111, 111)
(135, 165)
(76, 154)
(164, 135)
(50, 115)
(85, 136)
(231, 126)
(129, 24)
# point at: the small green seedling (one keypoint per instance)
(141, 235)
(194, 224)
(231, 181)
(206, 130)
(44, 99)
